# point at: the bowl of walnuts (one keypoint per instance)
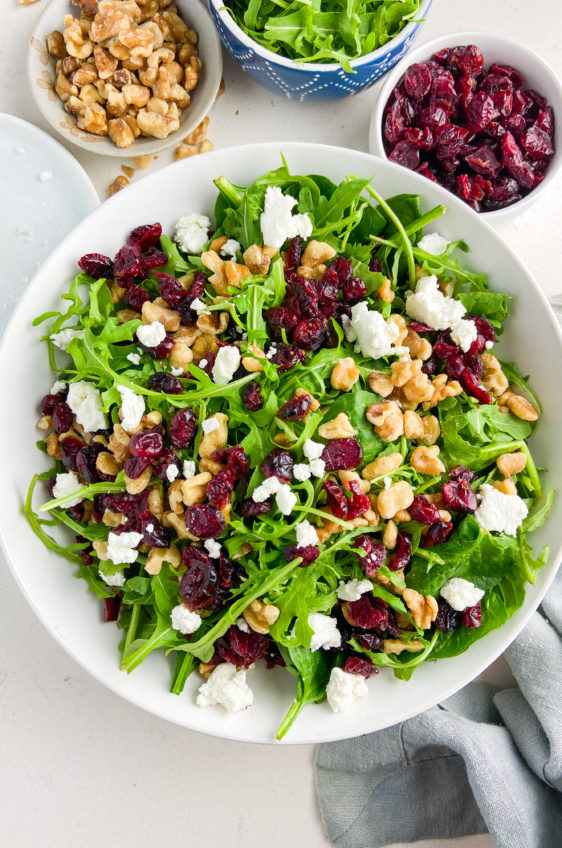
(124, 77)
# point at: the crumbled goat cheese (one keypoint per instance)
(117, 579)
(496, 511)
(306, 534)
(191, 234)
(213, 548)
(313, 450)
(210, 425)
(227, 687)
(277, 221)
(132, 408)
(463, 333)
(433, 243)
(134, 358)
(489, 345)
(344, 688)
(25, 230)
(270, 486)
(199, 306)
(150, 335)
(285, 499)
(301, 471)
(66, 484)
(231, 248)
(387, 482)
(202, 363)
(430, 306)
(177, 372)
(188, 468)
(226, 364)
(353, 589)
(58, 386)
(242, 624)
(85, 402)
(271, 352)
(374, 337)
(325, 631)
(45, 176)
(184, 620)
(122, 548)
(317, 467)
(150, 528)
(63, 339)
(460, 593)
(172, 471)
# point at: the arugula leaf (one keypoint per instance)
(314, 669)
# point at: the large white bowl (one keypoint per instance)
(64, 604)
(496, 48)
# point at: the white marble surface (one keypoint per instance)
(79, 766)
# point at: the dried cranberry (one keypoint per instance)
(437, 533)
(146, 443)
(455, 366)
(127, 263)
(395, 122)
(163, 381)
(423, 511)
(459, 496)
(359, 502)
(344, 270)
(69, 448)
(240, 648)
(237, 461)
(417, 80)
(512, 158)
(507, 71)
(359, 665)
(447, 618)
(111, 607)
(370, 641)
(444, 346)
(135, 296)
(296, 408)
(165, 463)
(472, 616)
(96, 266)
(420, 328)
(129, 505)
(62, 417)
(311, 334)
(484, 161)
(146, 235)
(279, 463)
(471, 387)
(50, 485)
(405, 153)
(337, 499)
(199, 584)
(422, 137)
(545, 120)
(183, 427)
(153, 258)
(432, 117)
(375, 554)
(443, 94)
(403, 552)
(449, 141)
(308, 554)
(441, 56)
(252, 397)
(287, 357)
(392, 627)
(308, 299)
(480, 111)
(536, 143)
(171, 290)
(281, 318)
(431, 366)
(504, 193)
(204, 521)
(220, 488)
(342, 454)
(135, 465)
(154, 533)
(294, 253)
(368, 613)
(76, 512)
(467, 60)
(354, 289)
(48, 403)
(86, 463)
(328, 287)
(250, 508)
(461, 472)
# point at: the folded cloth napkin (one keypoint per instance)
(484, 760)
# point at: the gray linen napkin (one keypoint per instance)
(483, 761)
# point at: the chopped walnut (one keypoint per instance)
(380, 383)
(423, 609)
(260, 616)
(413, 425)
(158, 556)
(345, 374)
(397, 497)
(519, 405)
(339, 427)
(404, 369)
(511, 463)
(396, 646)
(382, 466)
(385, 292)
(426, 460)
(493, 378)
(387, 419)
(118, 184)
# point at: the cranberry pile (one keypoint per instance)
(477, 131)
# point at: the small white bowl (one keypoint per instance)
(537, 74)
(42, 78)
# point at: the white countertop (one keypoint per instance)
(78, 765)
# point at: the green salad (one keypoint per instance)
(282, 437)
(323, 30)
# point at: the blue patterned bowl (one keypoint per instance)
(307, 80)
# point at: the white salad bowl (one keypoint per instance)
(65, 605)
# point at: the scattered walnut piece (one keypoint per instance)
(397, 497)
(260, 616)
(423, 609)
(383, 465)
(345, 374)
(426, 460)
(339, 427)
(387, 419)
(118, 183)
(505, 486)
(396, 646)
(511, 463)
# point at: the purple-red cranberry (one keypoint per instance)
(279, 463)
(165, 382)
(342, 454)
(252, 397)
(359, 665)
(472, 616)
(204, 521)
(423, 511)
(96, 266)
(447, 618)
(171, 290)
(146, 235)
(146, 443)
(459, 496)
(251, 509)
(311, 334)
(220, 488)
(403, 552)
(375, 554)
(296, 408)
(62, 417)
(437, 533)
(308, 554)
(183, 427)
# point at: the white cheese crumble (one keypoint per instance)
(184, 620)
(285, 499)
(460, 593)
(134, 358)
(374, 336)
(387, 482)
(231, 248)
(277, 221)
(499, 512)
(488, 345)
(58, 386)
(213, 548)
(430, 306)
(150, 528)
(210, 425)
(150, 335)
(122, 548)
(172, 471)
(353, 589)
(25, 230)
(191, 234)
(226, 364)
(132, 408)
(66, 484)
(202, 363)
(306, 534)
(117, 579)
(301, 471)
(188, 468)
(45, 176)
(433, 243)
(85, 402)
(317, 467)
(226, 686)
(271, 352)
(177, 372)
(325, 631)
(312, 450)
(344, 688)
(199, 306)
(270, 486)
(63, 339)
(463, 333)
(242, 624)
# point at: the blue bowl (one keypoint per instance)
(307, 80)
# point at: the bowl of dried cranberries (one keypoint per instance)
(479, 114)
